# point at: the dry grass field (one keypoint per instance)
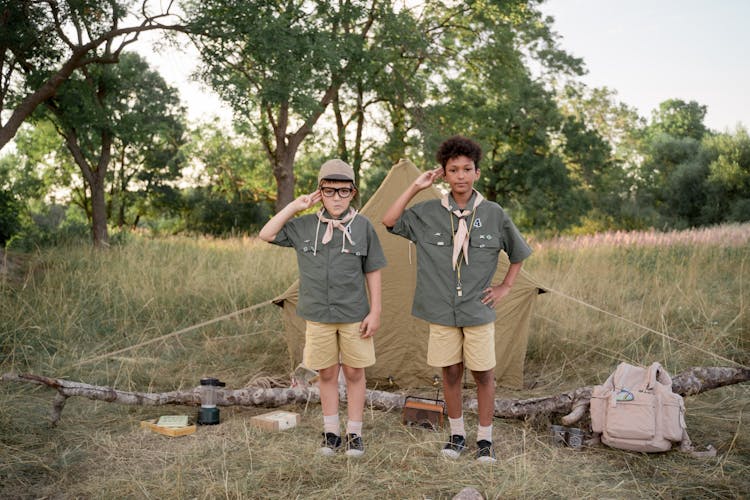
(678, 300)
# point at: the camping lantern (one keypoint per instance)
(209, 414)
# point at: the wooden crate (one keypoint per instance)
(168, 431)
(276, 420)
(426, 413)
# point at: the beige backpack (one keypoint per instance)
(635, 409)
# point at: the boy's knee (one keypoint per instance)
(453, 374)
(354, 374)
(328, 374)
(484, 378)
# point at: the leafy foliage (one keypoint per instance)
(127, 109)
(42, 43)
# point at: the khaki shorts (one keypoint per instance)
(474, 345)
(324, 342)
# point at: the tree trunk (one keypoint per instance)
(99, 212)
(341, 147)
(360, 123)
(283, 171)
(692, 381)
(33, 100)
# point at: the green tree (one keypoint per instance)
(381, 93)
(232, 167)
(149, 135)
(672, 164)
(125, 105)
(10, 205)
(42, 179)
(685, 195)
(280, 65)
(727, 177)
(678, 118)
(43, 42)
(482, 87)
(611, 147)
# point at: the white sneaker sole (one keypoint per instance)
(354, 453)
(486, 459)
(452, 454)
(326, 452)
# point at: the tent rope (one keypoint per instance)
(579, 301)
(268, 302)
(176, 333)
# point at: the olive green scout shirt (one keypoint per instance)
(428, 225)
(331, 282)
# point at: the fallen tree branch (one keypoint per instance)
(573, 403)
(251, 396)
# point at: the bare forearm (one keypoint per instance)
(374, 287)
(276, 223)
(510, 276)
(397, 209)
(424, 181)
(273, 226)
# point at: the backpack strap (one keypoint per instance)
(655, 374)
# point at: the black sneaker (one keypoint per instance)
(331, 443)
(354, 446)
(485, 451)
(454, 447)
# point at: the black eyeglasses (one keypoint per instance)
(328, 192)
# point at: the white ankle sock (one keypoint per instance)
(484, 433)
(331, 424)
(457, 426)
(354, 428)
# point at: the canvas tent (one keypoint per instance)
(401, 342)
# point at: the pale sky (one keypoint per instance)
(654, 50)
(647, 50)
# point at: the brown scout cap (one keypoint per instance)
(336, 170)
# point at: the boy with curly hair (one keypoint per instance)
(458, 239)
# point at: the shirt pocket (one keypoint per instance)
(438, 248)
(351, 259)
(439, 239)
(484, 246)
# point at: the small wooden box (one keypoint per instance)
(276, 420)
(167, 431)
(426, 413)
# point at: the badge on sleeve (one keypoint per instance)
(477, 222)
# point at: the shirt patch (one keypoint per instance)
(477, 222)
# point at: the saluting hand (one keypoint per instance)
(426, 179)
(307, 200)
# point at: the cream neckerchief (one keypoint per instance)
(342, 224)
(461, 238)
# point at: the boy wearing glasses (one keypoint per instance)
(339, 257)
(458, 241)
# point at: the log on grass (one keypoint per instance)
(251, 396)
(573, 403)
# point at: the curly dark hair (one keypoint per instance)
(458, 145)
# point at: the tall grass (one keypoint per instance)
(69, 305)
(681, 305)
(74, 304)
